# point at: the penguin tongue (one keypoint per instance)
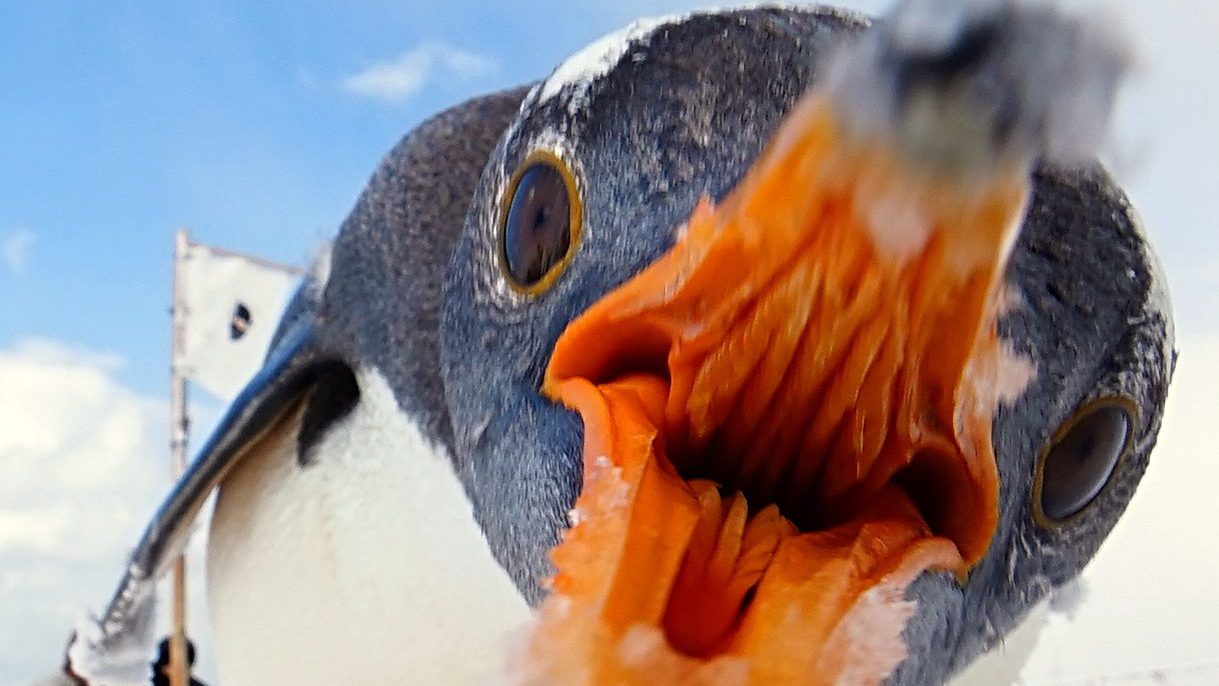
(787, 420)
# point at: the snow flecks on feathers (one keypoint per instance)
(577, 73)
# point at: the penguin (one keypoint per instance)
(766, 345)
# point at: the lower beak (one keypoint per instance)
(787, 420)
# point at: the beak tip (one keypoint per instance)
(964, 85)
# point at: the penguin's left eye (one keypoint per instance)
(1081, 459)
(540, 225)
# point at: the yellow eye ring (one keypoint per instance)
(540, 223)
(1081, 459)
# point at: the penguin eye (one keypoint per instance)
(540, 223)
(1081, 459)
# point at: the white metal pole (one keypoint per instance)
(179, 427)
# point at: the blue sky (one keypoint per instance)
(124, 120)
(256, 125)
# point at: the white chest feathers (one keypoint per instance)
(364, 568)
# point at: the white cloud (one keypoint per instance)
(15, 249)
(398, 79)
(82, 464)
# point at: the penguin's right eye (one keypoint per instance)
(540, 225)
(1081, 459)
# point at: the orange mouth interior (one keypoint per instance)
(787, 420)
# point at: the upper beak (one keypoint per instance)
(787, 420)
(278, 388)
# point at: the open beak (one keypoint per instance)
(787, 420)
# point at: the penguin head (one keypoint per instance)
(593, 280)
